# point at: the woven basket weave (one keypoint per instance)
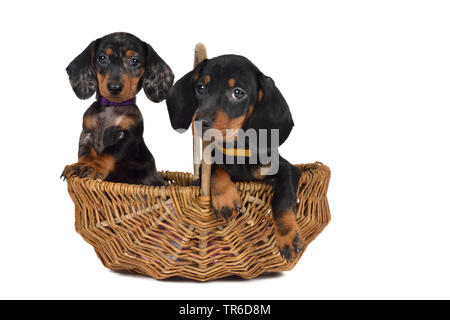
(172, 231)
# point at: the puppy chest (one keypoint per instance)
(96, 124)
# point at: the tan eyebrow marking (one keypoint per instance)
(232, 82)
(207, 79)
(108, 51)
(129, 53)
(196, 76)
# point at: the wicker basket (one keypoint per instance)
(172, 231)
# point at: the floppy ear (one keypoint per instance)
(158, 77)
(181, 102)
(271, 110)
(81, 73)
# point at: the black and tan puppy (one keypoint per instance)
(230, 93)
(111, 144)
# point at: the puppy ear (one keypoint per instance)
(181, 102)
(158, 77)
(271, 110)
(81, 73)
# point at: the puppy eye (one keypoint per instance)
(200, 88)
(134, 62)
(238, 93)
(102, 59)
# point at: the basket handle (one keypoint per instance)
(200, 55)
(206, 169)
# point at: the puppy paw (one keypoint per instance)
(83, 170)
(71, 170)
(93, 171)
(290, 245)
(227, 203)
(288, 237)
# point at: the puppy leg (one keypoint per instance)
(86, 150)
(91, 165)
(117, 144)
(98, 166)
(224, 194)
(86, 154)
(284, 185)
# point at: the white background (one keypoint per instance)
(368, 86)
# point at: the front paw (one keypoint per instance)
(288, 237)
(83, 170)
(227, 203)
(93, 171)
(71, 170)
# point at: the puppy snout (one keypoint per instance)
(206, 117)
(114, 88)
(206, 123)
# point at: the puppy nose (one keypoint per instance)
(206, 123)
(114, 88)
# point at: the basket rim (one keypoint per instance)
(307, 167)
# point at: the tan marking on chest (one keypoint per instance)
(90, 122)
(124, 122)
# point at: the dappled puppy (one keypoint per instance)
(231, 96)
(111, 145)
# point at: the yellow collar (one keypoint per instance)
(234, 152)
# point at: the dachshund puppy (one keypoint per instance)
(229, 93)
(111, 144)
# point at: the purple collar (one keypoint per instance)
(105, 102)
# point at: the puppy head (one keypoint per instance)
(229, 92)
(118, 66)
